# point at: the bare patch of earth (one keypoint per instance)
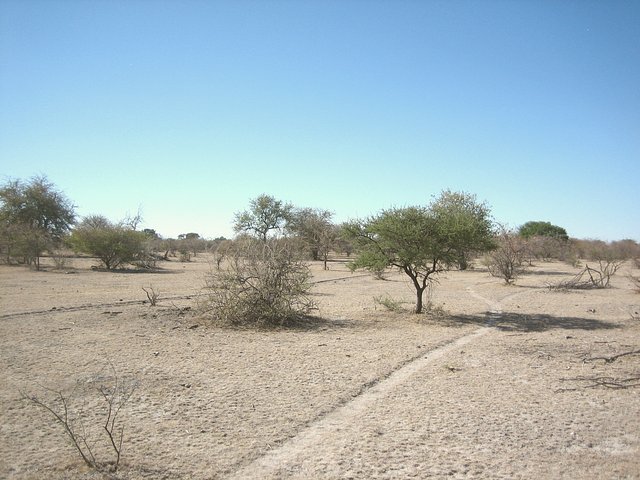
(497, 382)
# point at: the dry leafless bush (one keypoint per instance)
(508, 260)
(115, 393)
(600, 276)
(261, 284)
(152, 295)
(590, 277)
(61, 260)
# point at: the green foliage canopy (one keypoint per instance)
(423, 241)
(114, 244)
(265, 214)
(34, 216)
(542, 229)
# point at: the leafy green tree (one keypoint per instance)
(465, 223)
(34, 217)
(191, 243)
(151, 233)
(114, 244)
(264, 215)
(542, 229)
(423, 241)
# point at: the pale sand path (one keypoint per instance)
(321, 432)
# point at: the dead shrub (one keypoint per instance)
(261, 284)
(71, 414)
(507, 261)
(590, 277)
(61, 261)
(152, 295)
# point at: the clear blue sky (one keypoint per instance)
(191, 108)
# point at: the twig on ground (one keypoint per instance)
(116, 396)
(612, 358)
(607, 382)
(152, 295)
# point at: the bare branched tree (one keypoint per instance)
(508, 260)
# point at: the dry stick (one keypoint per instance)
(609, 382)
(116, 400)
(63, 419)
(613, 358)
(119, 396)
(152, 295)
(613, 383)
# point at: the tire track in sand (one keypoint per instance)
(316, 434)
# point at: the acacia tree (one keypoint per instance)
(191, 243)
(465, 223)
(542, 229)
(114, 244)
(423, 241)
(265, 214)
(34, 217)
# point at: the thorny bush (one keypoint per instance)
(260, 284)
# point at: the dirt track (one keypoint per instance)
(505, 384)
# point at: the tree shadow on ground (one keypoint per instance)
(312, 322)
(548, 273)
(542, 322)
(305, 323)
(136, 271)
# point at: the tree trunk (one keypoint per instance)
(419, 292)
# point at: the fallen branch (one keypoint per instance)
(607, 382)
(612, 358)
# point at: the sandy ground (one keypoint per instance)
(499, 382)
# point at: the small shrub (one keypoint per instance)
(116, 393)
(60, 261)
(262, 284)
(389, 303)
(507, 261)
(636, 282)
(114, 244)
(152, 295)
